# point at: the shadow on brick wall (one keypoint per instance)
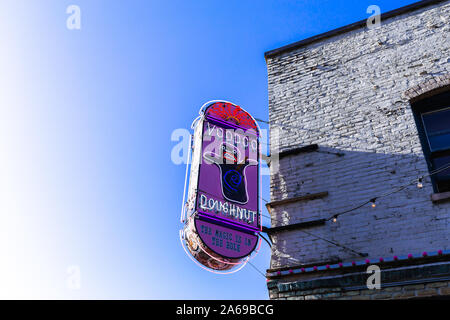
(401, 223)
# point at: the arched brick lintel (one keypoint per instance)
(428, 88)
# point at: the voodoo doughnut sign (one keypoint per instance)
(221, 211)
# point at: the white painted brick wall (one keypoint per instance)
(349, 90)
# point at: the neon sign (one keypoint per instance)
(221, 212)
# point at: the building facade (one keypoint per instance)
(360, 118)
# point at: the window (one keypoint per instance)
(433, 123)
(437, 128)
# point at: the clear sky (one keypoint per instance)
(87, 185)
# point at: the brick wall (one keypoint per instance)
(351, 93)
(398, 292)
(396, 282)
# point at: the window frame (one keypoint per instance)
(424, 106)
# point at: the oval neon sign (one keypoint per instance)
(221, 212)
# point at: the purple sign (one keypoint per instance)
(228, 177)
(223, 197)
(225, 241)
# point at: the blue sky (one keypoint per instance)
(86, 116)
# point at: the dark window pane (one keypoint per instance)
(443, 177)
(437, 121)
(437, 127)
(440, 142)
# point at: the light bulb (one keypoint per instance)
(372, 203)
(420, 184)
(335, 219)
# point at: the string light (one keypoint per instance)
(259, 271)
(373, 205)
(419, 183)
(308, 233)
(419, 180)
(326, 240)
(372, 201)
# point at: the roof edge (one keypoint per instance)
(349, 27)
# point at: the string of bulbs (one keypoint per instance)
(373, 200)
(324, 239)
(308, 233)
